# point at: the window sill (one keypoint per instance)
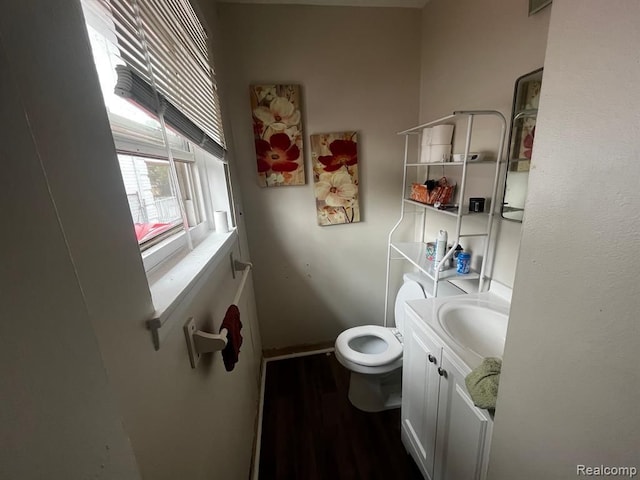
(173, 288)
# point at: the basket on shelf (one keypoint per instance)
(441, 192)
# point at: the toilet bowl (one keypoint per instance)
(373, 353)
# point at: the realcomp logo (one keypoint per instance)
(606, 471)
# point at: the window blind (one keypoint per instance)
(164, 47)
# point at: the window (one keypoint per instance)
(153, 200)
(168, 132)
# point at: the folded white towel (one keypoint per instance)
(435, 153)
(441, 134)
(426, 137)
(440, 153)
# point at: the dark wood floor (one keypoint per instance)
(310, 431)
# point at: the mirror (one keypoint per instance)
(526, 96)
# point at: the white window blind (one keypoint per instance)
(164, 48)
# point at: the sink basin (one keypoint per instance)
(480, 327)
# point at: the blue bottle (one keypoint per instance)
(464, 263)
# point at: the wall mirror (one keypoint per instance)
(526, 96)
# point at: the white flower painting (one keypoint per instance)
(277, 131)
(335, 173)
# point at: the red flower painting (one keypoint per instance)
(335, 173)
(278, 154)
(343, 152)
(277, 131)
(527, 143)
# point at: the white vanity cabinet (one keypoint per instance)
(420, 389)
(441, 428)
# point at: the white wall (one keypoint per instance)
(358, 68)
(76, 282)
(59, 417)
(569, 391)
(472, 54)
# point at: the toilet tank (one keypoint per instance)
(445, 289)
(414, 287)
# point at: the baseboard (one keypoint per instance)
(273, 353)
(256, 452)
(300, 354)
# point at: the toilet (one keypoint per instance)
(373, 353)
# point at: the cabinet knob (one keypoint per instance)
(442, 372)
(431, 358)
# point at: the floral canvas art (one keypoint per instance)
(335, 175)
(277, 130)
(528, 130)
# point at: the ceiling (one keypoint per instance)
(341, 3)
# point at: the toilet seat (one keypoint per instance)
(392, 352)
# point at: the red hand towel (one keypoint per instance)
(234, 339)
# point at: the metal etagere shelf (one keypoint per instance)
(415, 252)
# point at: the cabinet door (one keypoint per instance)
(463, 429)
(420, 384)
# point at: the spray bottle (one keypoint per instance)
(441, 247)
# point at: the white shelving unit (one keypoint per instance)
(414, 252)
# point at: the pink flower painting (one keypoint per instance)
(335, 174)
(277, 130)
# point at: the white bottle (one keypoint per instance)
(441, 247)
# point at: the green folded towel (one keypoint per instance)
(482, 383)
